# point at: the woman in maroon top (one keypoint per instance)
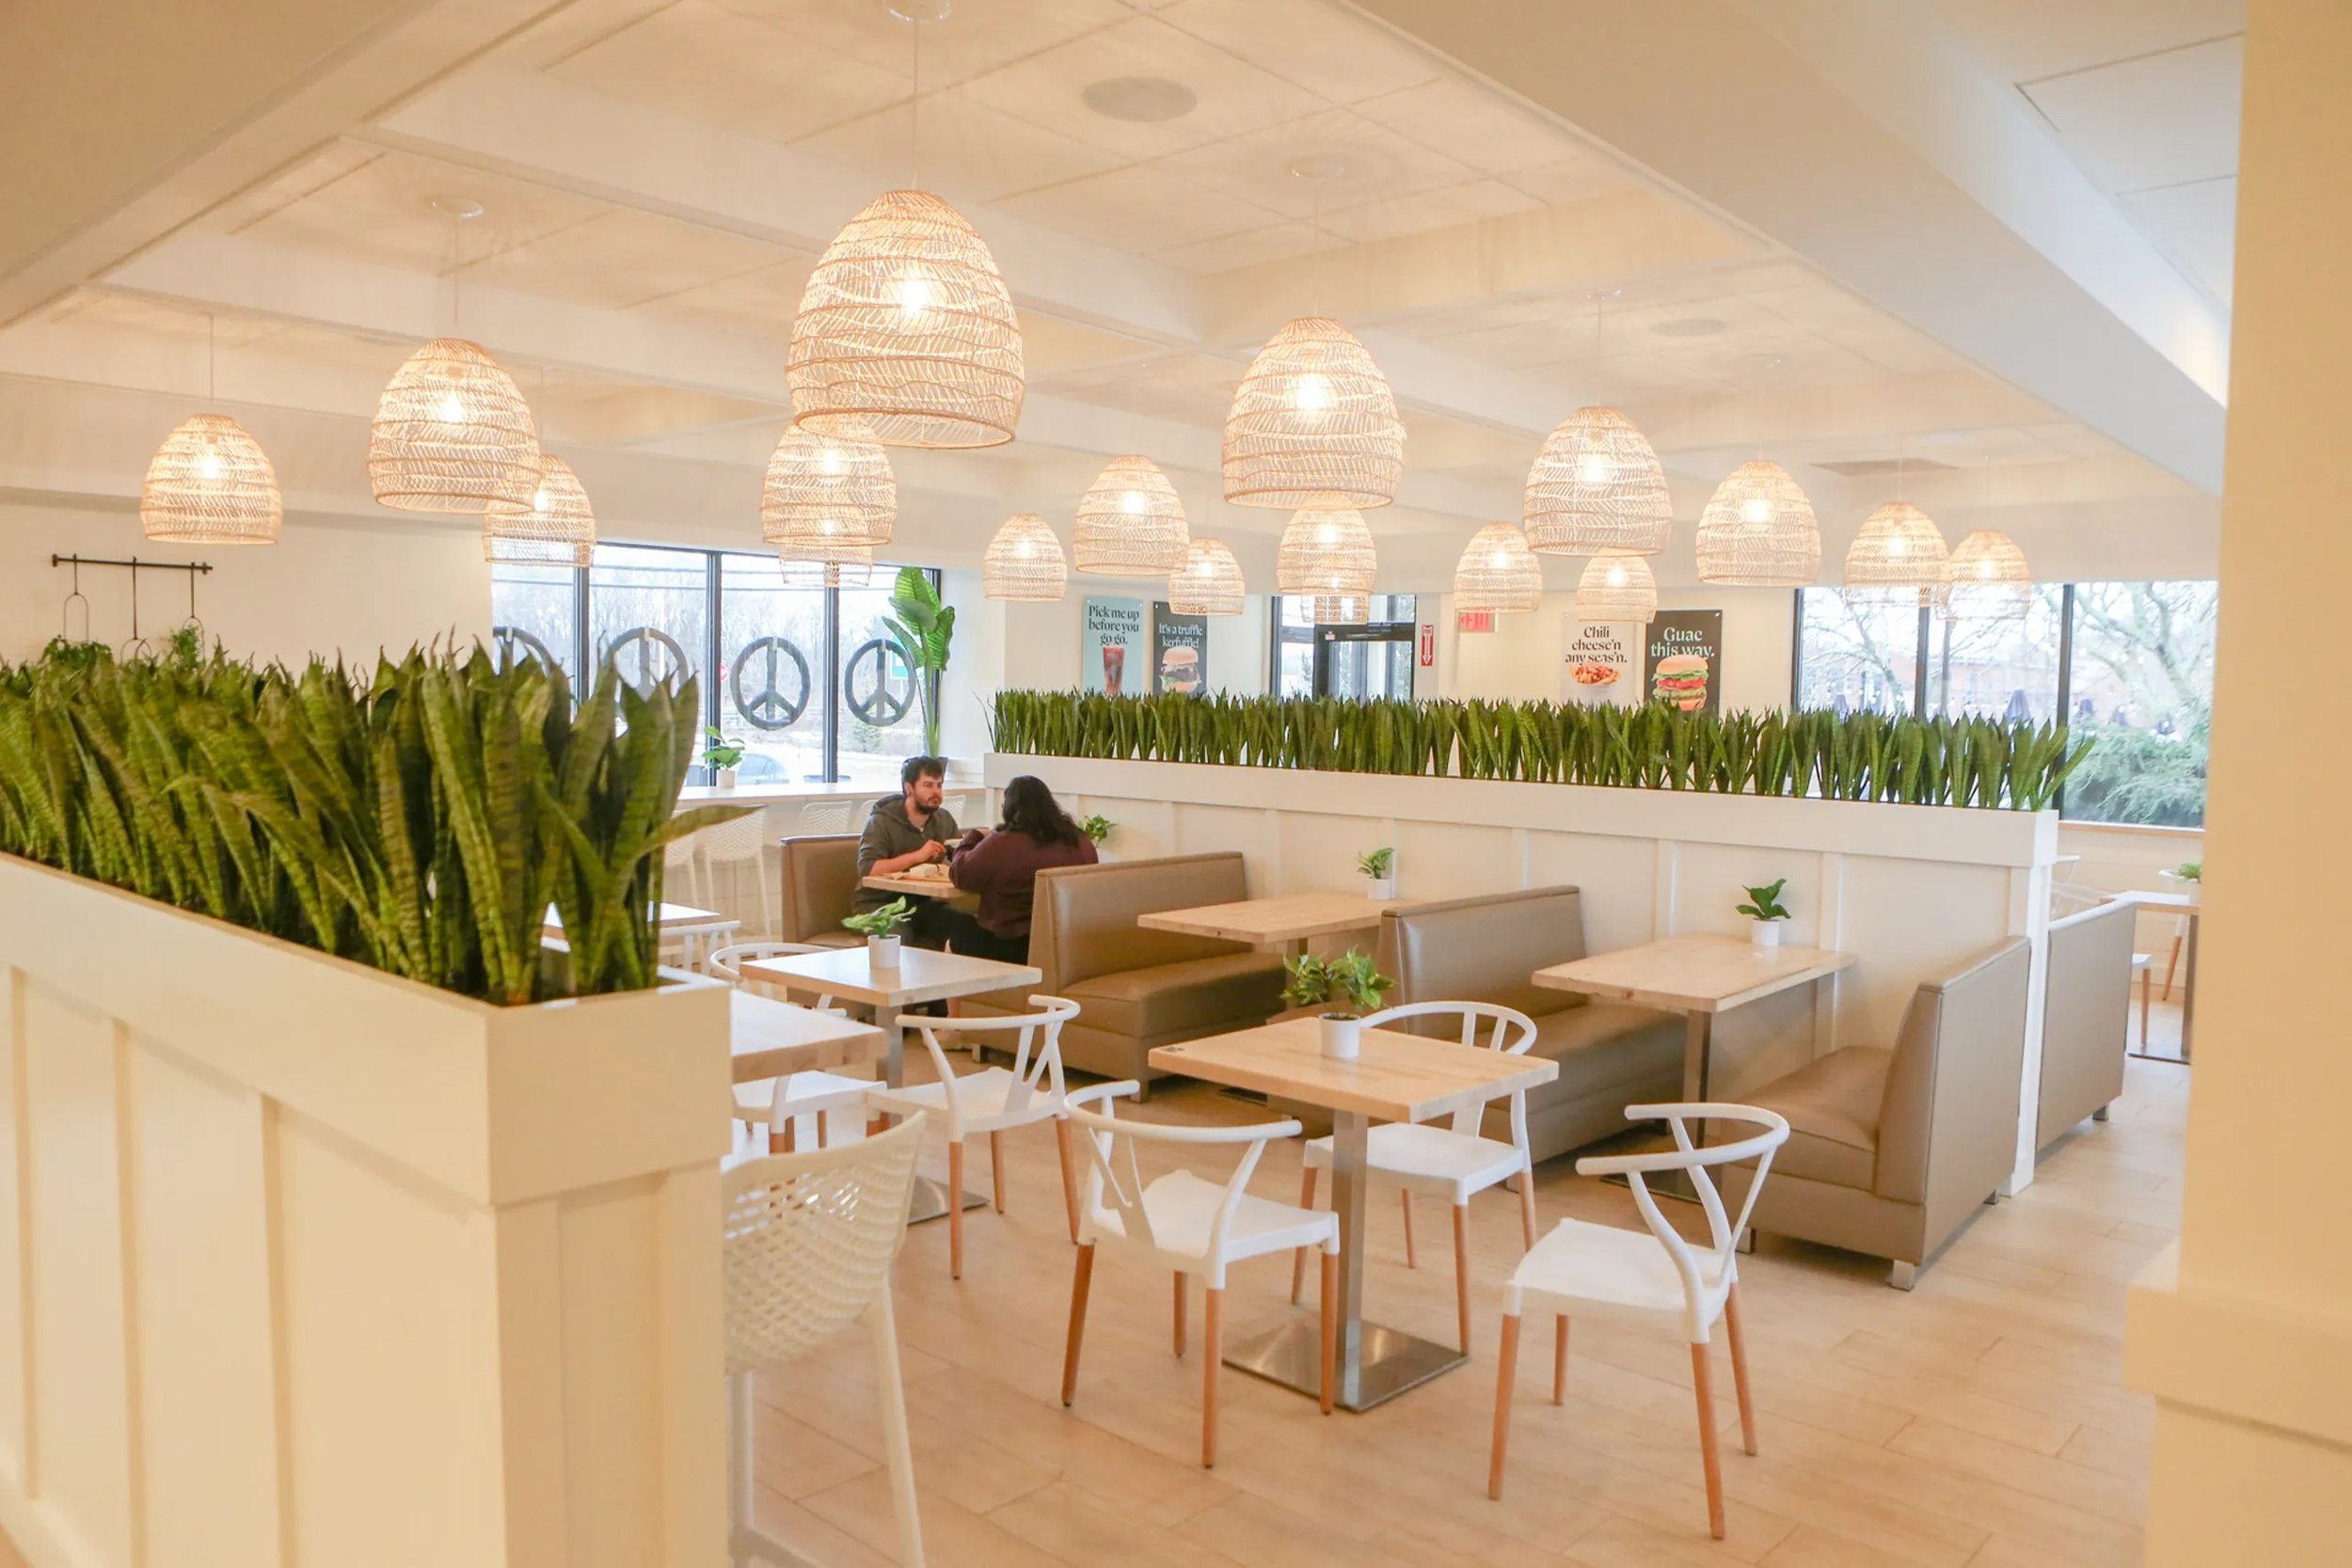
(1002, 868)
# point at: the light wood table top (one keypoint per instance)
(2164, 903)
(912, 887)
(922, 975)
(1271, 921)
(1398, 1077)
(1693, 974)
(771, 1038)
(668, 916)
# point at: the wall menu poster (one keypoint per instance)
(1600, 667)
(1112, 646)
(1683, 660)
(1180, 649)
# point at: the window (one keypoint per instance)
(1371, 659)
(2130, 665)
(537, 614)
(879, 714)
(771, 641)
(649, 612)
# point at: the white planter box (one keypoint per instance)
(309, 1264)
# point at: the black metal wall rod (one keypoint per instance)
(134, 564)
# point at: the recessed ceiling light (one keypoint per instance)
(1146, 100)
(1322, 167)
(1688, 326)
(459, 207)
(919, 12)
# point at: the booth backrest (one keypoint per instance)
(1484, 949)
(2086, 1012)
(1084, 922)
(1947, 1123)
(819, 875)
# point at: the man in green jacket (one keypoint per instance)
(902, 831)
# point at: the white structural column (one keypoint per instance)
(2244, 1335)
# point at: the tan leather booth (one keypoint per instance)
(820, 874)
(1891, 1151)
(2086, 1016)
(1487, 950)
(1135, 988)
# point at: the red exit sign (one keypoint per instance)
(1474, 619)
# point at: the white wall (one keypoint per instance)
(1522, 656)
(1041, 641)
(351, 587)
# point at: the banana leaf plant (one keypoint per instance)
(922, 627)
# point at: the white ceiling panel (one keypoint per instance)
(1331, 53)
(2196, 225)
(1376, 163)
(1144, 208)
(1480, 127)
(1425, 210)
(968, 151)
(2161, 120)
(2027, 39)
(976, 36)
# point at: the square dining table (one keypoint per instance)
(911, 887)
(770, 1039)
(1282, 923)
(1397, 1077)
(680, 922)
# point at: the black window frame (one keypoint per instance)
(1323, 639)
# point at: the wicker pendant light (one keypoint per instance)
(906, 335)
(211, 483)
(1131, 523)
(1990, 579)
(555, 528)
(1313, 423)
(1897, 558)
(1209, 582)
(850, 566)
(818, 484)
(1496, 572)
(1617, 588)
(1025, 562)
(1759, 531)
(1325, 552)
(451, 433)
(1596, 486)
(1340, 609)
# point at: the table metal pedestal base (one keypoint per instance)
(1392, 1361)
(930, 1201)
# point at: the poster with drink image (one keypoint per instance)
(1683, 660)
(1602, 664)
(1112, 647)
(1180, 650)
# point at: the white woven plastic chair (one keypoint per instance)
(731, 845)
(821, 817)
(809, 1243)
(1451, 1161)
(682, 870)
(778, 1104)
(1586, 1270)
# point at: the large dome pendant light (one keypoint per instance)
(1759, 531)
(906, 335)
(835, 564)
(1209, 582)
(1990, 579)
(819, 485)
(452, 432)
(1498, 573)
(1897, 560)
(211, 482)
(1024, 562)
(1617, 588)
(1596, 484)
(557, 529)
(1325, 552)
(1131, 522)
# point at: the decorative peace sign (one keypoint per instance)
(512, 644)
(659, 656)
(766, 706)
(893, 691)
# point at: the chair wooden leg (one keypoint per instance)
(1560, 1359)
(1211, 1349)
(791, 1136)
(1704, 1384)
(1181, 1294)
(769, 1134)
(1298, 1255)
(1739, 1367)
(996, 1167)
(1404, 1194)
(2147, 984)
(1069, 1176)
(1080, 1283)
(1506, 1365)
(1330, 1305)
(955, 1211)
(2170, 965)
(824, 1128)
(1461, 1271)
(1527, 1207)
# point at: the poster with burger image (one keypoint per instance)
(1683, 660)
(1180, 649)
(1602, 664)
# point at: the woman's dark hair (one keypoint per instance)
(1030, 808)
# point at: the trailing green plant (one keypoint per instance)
(922, 627)
(1352, 979)
(422, 821)
(1934, 761)
(1375, 862)
(883, 922)
(2190, 871)
(1096, 828)
(1764, 902)
(717, 750)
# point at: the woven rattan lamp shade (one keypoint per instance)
(1496, 572)
(1025, 562)
(1209, 582)
(906, 335)
(1131, 523)
(848, 567)
(1989, 579)
(1759, 531)
(1325, 552)
(821, 485)
(451, 433)
(556, 528)
(211, 483)
(1596, 486)
(1340, 609)
(1313, 423)
(1897, 558)
(1617, 588)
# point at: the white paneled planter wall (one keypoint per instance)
(307, 1265)
(1909, 889)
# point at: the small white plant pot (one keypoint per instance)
(1342, 1036)
(1764, 933)
(1381, 887)
(883, 951)
(727, 778)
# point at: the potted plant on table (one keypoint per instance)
(1766, 910)
(1345, 988)
(721, 755)
(1380, 870)
(2191, 876)
(1097, 827)
(880, 928)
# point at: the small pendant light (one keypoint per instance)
(1325, 552)
(210, 483)
(1209, 582)
(1898, 559)
(1340, 609)
(557, 528)
(1498, 573)
(1313, 423)
(1617, 588)
(818, 484)
(1131, 522)
(1990, 579)
(1025, 562)
(1759, 531)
